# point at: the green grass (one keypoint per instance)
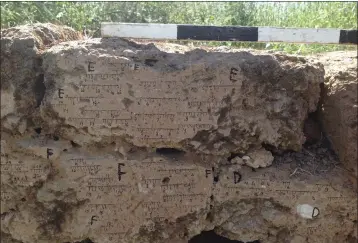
(88, 16)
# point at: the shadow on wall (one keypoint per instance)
(83, 241)
(203, 237)
(212, 237)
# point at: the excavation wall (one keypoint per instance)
(116, 141)
(340, 105)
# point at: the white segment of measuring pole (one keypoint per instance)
(145, 31)
(297, 35)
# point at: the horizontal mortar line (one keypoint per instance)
(154, 113)
(255, 178)
(159, 98)
(15, 171)
(100, 204)
(154, 138)
(228, 33)
(154, 128)
(103, 110)
(252, 188)
(158, 81)
(121, 118)
(194, 124)
(107, 185)
(294, 191)
(84, 165)
(338, 197)
(84, 97)
(89, 118)
(101, 85)
(216, 85)
(192, 112)
(12, 164)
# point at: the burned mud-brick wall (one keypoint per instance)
(142, 143)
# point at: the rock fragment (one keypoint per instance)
(258, 158)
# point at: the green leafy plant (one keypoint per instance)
(87, 16)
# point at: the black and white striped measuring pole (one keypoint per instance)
(228, 33)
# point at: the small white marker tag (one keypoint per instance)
(307, 211)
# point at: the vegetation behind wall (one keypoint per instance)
(87, 16)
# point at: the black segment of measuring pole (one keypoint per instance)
(217, 33)
(348, 37)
